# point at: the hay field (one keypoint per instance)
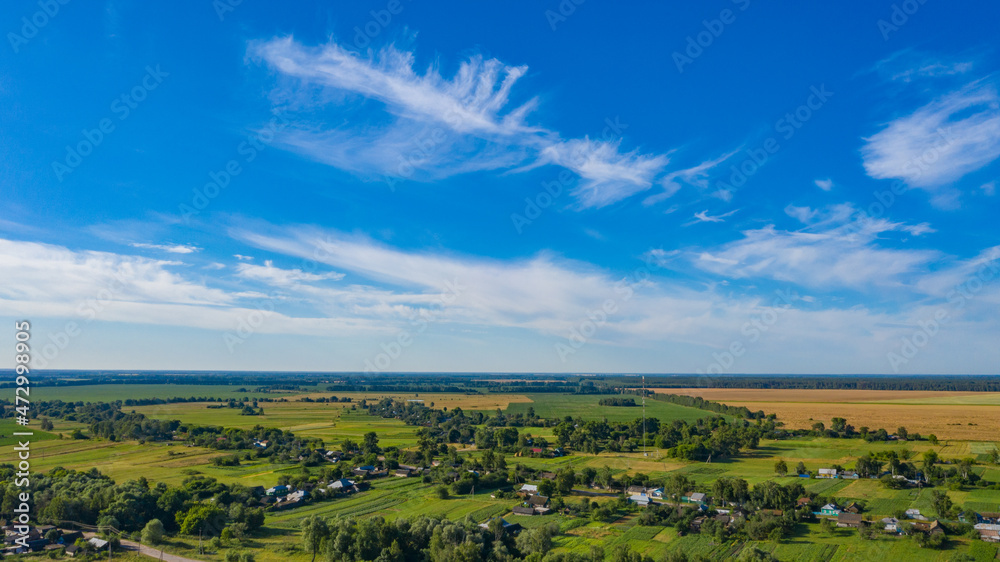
(949, 415)
(732, 395)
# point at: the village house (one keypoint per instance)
(642, 500)
(278, 490)
(826, 473)
(830, 509)
(853, 507)
(930, 527)
(529, 489)
(341, 485)
(696, 497)
(989, 532)
(539, 503)
(635, 490)
(655, 493)
(890, 524)
(523, 510)
(915, 514)
(852, 520)
(547, 475)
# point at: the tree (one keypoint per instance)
(152, 533)
(867, 466)
(202, 518)
(780, 468)
(565, 481)
(902, 433)
(942, 504)
(932, 439)
(370, 444)
(546, 488)
(604, 476)
(537, 540)
(442, 492)
(826, 526)
(775, 535)
(314, 531)
(622, 553)
(801, 468)
(965, 467)
(930, 457)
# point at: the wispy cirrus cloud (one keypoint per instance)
(697, 176)
(837, 249)
(169, 248)
(270, 274)
(428, 126)
(939, 143)
(703, 216)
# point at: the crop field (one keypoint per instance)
(586, 406)
(112, 392)
(949, 415)
(842, 396)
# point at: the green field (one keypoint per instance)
(586, 406)
(112, 392)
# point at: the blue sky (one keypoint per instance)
(727, 187)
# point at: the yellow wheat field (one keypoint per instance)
(872, 408)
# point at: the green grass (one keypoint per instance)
(8, 426)
(112, 392)
(586, 406)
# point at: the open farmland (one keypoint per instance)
(586, 406)
(949, 415)
(112, 392)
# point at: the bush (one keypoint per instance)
(152, 533)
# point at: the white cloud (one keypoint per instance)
(695, 175)
(170, 248)
(436, 127)
(703, 216)
(824, 184)
(43, 280)
(836, 251)
(989, 188)
(271, 275)
(609, 175)
(939, 143)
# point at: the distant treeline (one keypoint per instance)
(964, 383)
(701, 403)
(262, 382)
